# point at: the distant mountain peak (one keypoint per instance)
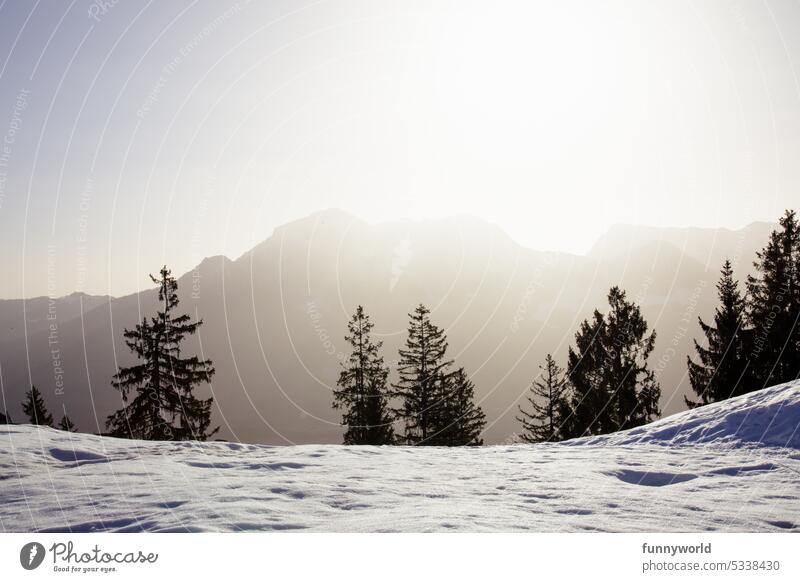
(710, 246)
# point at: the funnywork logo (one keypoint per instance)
(31, 555)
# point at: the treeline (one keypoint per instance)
(754, 342)
(606, 384)
(35, 410)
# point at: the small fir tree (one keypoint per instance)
(549, 408)
(457, 421)
(67, 425)
(35, 408)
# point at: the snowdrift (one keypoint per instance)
(768, 417)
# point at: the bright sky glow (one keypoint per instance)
(181, 130)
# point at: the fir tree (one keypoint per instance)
(163, 405)
(774, 306)
(612, 386)
(35, 408)
(457, 421)
(67, 425)
(549, 409)
(590, 394)
(5, 418)
(637, 391)
(723, 370)
(422, 364)
(362, 387)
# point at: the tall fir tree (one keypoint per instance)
(163, 404)
(35, 408)
(612, 385)
(67, 425)
(723, 369)
(549, 410)
(362, 387)
(422, 364)
(457, 420)
(774, 306)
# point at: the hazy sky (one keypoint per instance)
(139, 133)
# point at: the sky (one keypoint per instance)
(138, 133)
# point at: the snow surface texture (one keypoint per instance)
(732, 466)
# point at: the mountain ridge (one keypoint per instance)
(327, 213)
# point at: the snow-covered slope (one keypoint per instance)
(734, 466)
(769, 417)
